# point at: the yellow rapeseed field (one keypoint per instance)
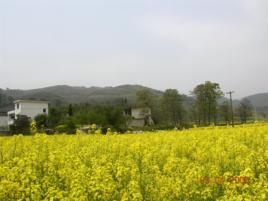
(215, 163)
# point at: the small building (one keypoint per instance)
(29, 108)
(139, 117)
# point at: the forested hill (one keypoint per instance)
(63, 94)
(260, 101)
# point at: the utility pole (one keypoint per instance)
(231, 104)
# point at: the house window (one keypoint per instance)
(44, 110)
(18, 105)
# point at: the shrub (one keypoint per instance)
(21, 125)
(61, 128)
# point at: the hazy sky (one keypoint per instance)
(160, 44)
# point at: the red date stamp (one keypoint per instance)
(220, 180)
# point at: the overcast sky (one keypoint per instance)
(157, 43)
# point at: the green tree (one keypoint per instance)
(144, 98)
(70, 125)
(172, 106)
(55, 116)
(41, 121)
(225, 112)
(114, 117)
(70, 110)
(82, 117)
(107, 116)
(245, 110)
(206, 96)
(194, 114)
(21, 125)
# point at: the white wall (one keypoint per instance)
(136, 123)
(3, 121)
(140, 112)
(31, 109)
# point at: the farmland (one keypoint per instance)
(213, 163)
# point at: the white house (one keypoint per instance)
(29, 108)
(139, 117)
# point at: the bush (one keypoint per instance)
(61, 129)
(68, 127)
(41, 121)
(49, 131)
(21, 125)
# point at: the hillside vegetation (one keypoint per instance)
(63, 94)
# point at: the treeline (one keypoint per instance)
(170, 110)
(68, 119)
(206, 108)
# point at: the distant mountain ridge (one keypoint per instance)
(259, 100)
(68, 94)
(64, 94)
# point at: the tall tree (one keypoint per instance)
(225, 112)
(245, 110)
(172, 106)
(194, 114)
(206, 96)
(70, 110)
(144, 98)
(54, 117)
